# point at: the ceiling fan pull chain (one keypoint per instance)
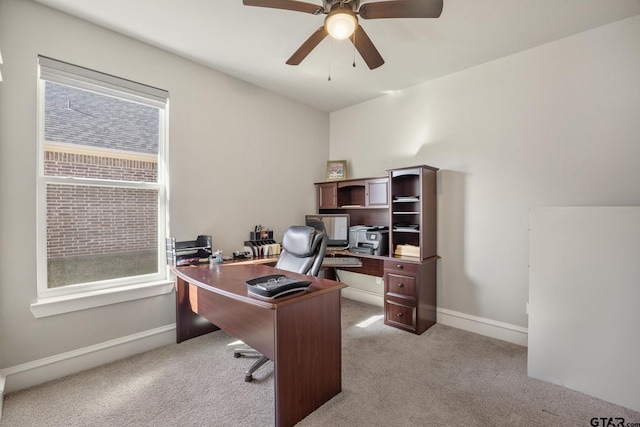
(354, 50)
(330, 47)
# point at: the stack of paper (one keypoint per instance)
(408, 250)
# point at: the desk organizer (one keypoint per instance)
(257, 239)
(261, 235)
(188, 252)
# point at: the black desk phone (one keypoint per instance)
(275, 285)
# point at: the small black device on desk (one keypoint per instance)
(242, 255)
(275, 285)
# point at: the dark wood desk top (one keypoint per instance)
(229, 280)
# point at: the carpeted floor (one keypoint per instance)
(443, 377)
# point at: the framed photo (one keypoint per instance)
(336, 170)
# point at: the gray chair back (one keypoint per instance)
(303, 250)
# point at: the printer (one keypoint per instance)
(371, 240)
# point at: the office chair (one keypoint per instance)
(303, 250)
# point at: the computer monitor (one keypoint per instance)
(335, 226)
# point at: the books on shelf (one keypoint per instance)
(407, 250)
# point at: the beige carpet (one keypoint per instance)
(443, 377)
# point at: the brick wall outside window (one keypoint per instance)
(92, 220)
(94, 166)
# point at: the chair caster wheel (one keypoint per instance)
(248, 378)
(237, 355)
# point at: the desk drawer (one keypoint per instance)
(400, 315)
(400, 286)
(406, 268)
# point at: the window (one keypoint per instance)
(101, 181)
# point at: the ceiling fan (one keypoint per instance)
(341, 21)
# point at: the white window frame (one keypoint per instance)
(52, 301)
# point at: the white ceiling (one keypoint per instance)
(253, 43)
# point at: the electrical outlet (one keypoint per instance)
(378, 280)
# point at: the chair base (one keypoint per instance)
(248, 376)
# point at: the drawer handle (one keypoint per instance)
(399, 314)
(400, 285)
(400, 266)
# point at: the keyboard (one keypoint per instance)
(341, 261)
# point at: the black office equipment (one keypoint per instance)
(335, 227)
(369, 240)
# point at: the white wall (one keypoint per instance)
(583, 300)
(235, 161)
(553, 126)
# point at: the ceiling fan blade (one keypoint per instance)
(297, 6)
(307, 46)
(401, 9)
(367, 50)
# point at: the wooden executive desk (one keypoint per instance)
(301, 333)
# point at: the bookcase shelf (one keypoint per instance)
(413, 195)
(405, 201)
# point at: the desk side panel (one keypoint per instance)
(308, 363)
(427, 304)
(188, 323)
(252, 324)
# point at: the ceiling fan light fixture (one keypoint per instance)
(341, 23)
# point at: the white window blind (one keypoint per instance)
(74, 75)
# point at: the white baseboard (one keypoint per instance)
(482, 326)
(40, 371)
(363, 296)
(478, 325)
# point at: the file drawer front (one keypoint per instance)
(407, 268)
(400, 315)
(400, 286)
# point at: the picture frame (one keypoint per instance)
(336, 170)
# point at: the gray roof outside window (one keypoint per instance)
(85, 118)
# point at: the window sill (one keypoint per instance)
(45, 307)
